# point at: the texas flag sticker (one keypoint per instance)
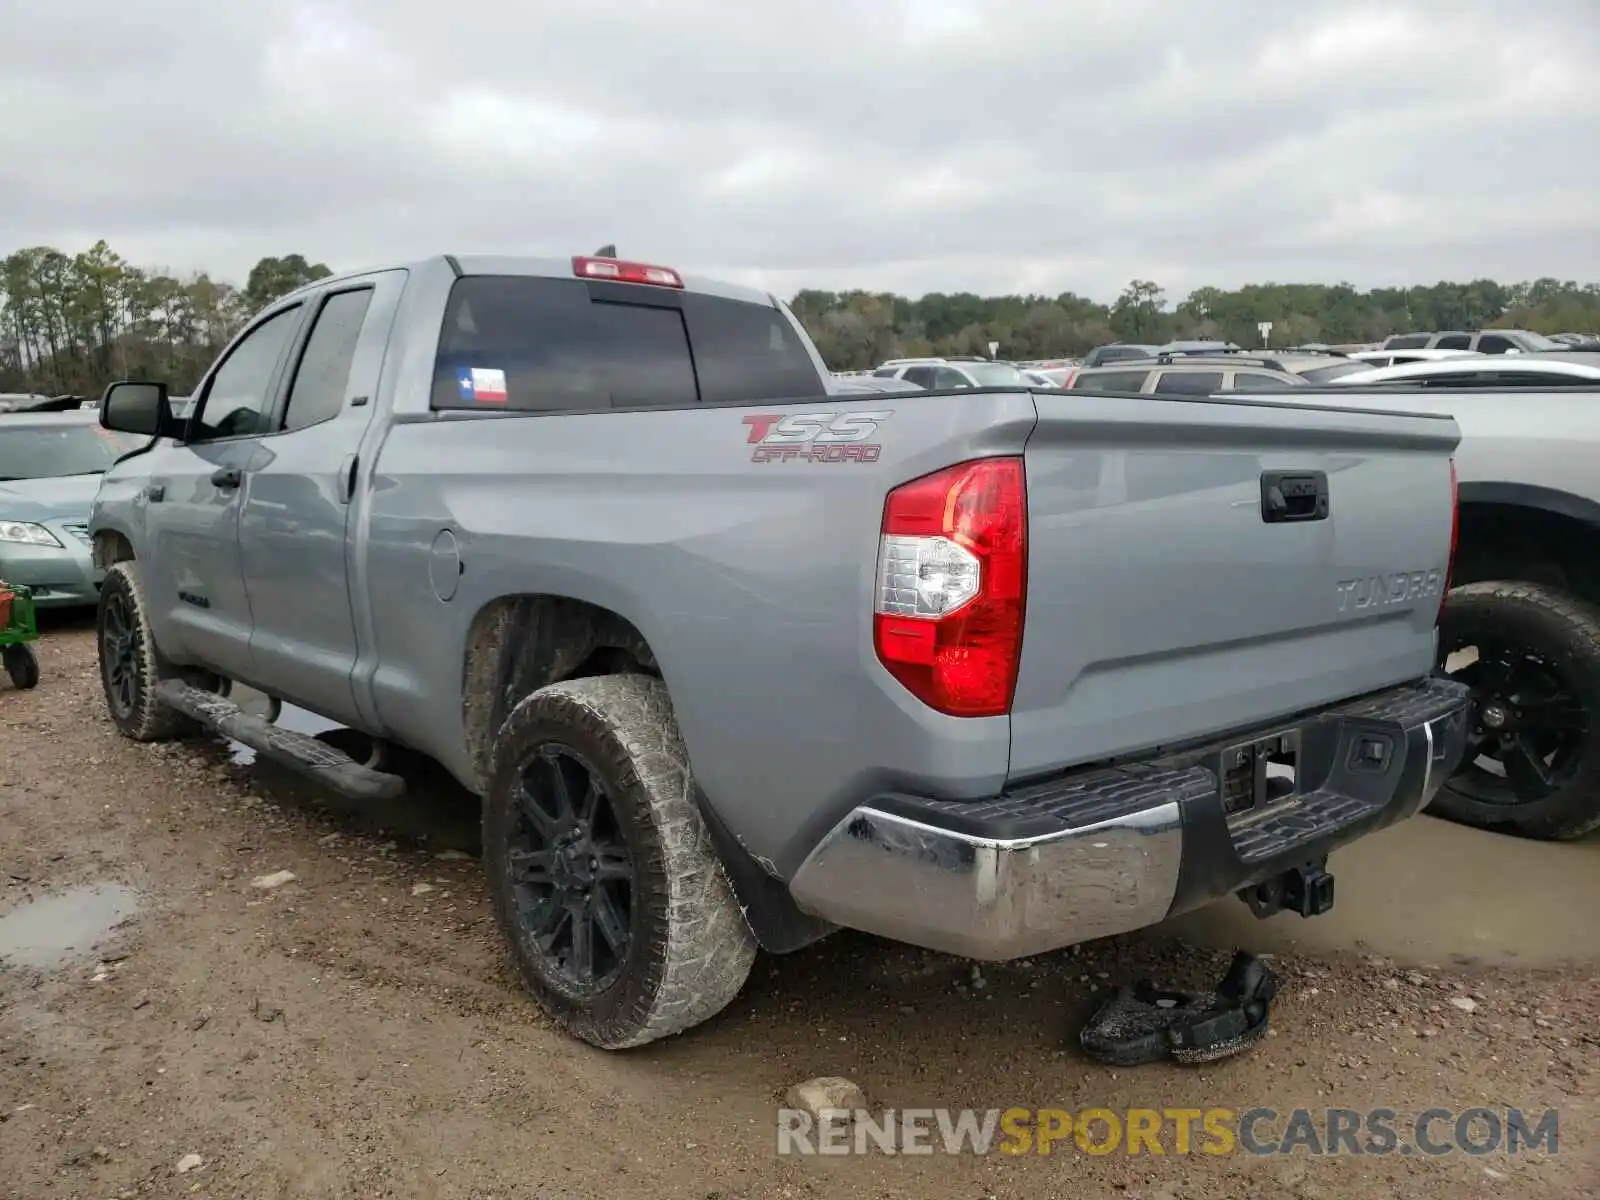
(482, 383)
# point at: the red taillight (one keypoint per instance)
(952, 578)
(625, 272)
(1455, 538)
(1066, 380)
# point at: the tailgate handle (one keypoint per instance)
(1294, 496)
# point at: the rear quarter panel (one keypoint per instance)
(752, 582)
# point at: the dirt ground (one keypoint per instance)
(357, 1032)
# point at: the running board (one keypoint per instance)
(297, 751)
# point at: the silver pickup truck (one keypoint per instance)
(735, 662)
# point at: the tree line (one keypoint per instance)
(69, 323)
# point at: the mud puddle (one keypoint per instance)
(1430, 892)
(53, 930)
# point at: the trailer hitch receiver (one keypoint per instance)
(1306, 889)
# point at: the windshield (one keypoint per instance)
(1324, 374)
(994, 374)
(50, 451)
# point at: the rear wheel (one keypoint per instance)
(602, 874)
(130, 665)
(1531, 654)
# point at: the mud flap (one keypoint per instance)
(1143, 1024)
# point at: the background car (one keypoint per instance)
(1207, 374)
(861, 384)
(1393, 358)
(1484, 341)
(938, 374)
(50, 468)
(1525, 370)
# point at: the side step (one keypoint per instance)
(297, 751)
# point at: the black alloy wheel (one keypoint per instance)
(1531, 655)
(119, 659)
(1529, 729)
(571, 872)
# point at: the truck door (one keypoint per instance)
(193, 580)
(295, 525)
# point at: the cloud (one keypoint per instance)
(951, 145)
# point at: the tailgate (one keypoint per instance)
(1170, 599)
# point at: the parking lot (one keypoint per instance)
(357, 1031)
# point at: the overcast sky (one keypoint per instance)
(906, 145)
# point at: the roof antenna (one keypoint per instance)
(607, 251)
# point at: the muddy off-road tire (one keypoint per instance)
(591, 838)
(130, 666)
(1533, 760)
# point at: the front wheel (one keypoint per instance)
(130, 666)
(1531, 655)
(602, 874)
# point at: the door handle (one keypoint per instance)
(155, 493)
(227, 478)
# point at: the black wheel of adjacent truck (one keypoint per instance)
(602, 874)
(130, 666)
(1531, 655)
(22, 664)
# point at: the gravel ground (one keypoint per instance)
(357, 1032)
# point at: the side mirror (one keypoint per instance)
(140, 408)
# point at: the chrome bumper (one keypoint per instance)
(1114, 849)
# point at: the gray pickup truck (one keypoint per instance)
(735, 662)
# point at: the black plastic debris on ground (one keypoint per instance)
(1143, 1023)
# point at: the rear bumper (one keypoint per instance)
(1113, 849)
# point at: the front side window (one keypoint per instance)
(1453, 341)
(237, 400)
(1494, 343)
(323, 375)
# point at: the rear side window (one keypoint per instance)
(1188, 383)
(1111, 381)
(550, 345)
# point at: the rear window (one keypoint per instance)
(1409, 341)
(549, 345)
(1110, 381)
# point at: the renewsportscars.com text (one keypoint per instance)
(1180, 1131)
